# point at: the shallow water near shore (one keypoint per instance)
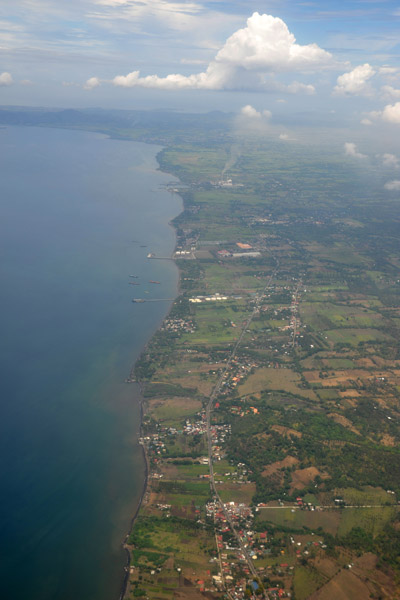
(77, 210)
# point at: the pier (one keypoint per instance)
(142, 300)
(152, 256)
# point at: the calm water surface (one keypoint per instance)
(76, 209)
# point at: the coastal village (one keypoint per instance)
(254, 392)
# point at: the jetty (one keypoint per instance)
(152, 256)
(142, 300)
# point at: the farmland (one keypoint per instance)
(278, 365)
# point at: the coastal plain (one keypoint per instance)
(271, 391)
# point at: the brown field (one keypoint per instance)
(388, 440)
(344, 422)
(303, 477)
(366, 363)
(286, 431)
(326, 566)
(273, 468)
(347, 377)
(349, 394)
(343, 586)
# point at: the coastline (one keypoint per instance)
(141, 400)
(124, 586)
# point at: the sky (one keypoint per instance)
(271, 56)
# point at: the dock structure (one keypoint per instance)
(152, 256)
(143, 300)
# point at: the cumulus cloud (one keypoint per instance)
(391, 113)
(350, 149)
(6, 78)
(252, 113)
(286, 137)
(390, 92)
(91, 83)
(267, 44)
(296, 87)
(252, 122)
(263, 48)
(390, 160)
(393, 186)
(355, 82)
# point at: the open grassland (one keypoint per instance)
(371, 520)
(174, 409)
(354, 337)
(236, 492)
(285, 380)
(306, 581)
(326, 315)
(295, 518)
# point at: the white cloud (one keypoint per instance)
(355, 82)
(390, 92)
(391, 113)
(393, 186)
(390, 160)
(180, 16)
(91, 83)
(6, 78)
(350, 149)
(296, 87)
(366, 122)
(286, 137)
(265, 46)
(387, 70)
(252, 113)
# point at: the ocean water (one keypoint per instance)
(79, 213)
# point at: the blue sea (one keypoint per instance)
(79, 214)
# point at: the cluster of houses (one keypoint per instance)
(234, 574)
(237, 371)
(179, 325)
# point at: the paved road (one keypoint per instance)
(210, 404)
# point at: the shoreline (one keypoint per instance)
(124, 585)
(141, 399)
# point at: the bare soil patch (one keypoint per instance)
(303, 477)
(365, 363)
(388, 440)
(349, 394)
(286, 431)
(273, 468)
(341, 420)
(344, 586)
(326, 566)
